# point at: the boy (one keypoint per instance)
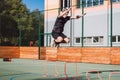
(57, 32)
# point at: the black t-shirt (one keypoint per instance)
(59, 24)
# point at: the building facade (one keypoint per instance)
(100, 26)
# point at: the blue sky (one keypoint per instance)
(34, 4)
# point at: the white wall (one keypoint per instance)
(96, 23)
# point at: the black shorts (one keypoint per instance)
(55, 35)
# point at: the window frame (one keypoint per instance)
(64, 4)
(90, 40)
(91, 4)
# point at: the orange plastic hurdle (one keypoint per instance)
(51, 55)
(93, 71)
(110, 74)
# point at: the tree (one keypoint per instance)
(15, 18)
(34, 22)
(9, 18)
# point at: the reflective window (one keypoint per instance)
(118, 38)
(77, 40)
(114, 39)
(88, 3)
(64, 4)
(90, 40)
(95, 39)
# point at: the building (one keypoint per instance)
(100, 27)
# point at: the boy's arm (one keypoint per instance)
(78, 16)
(64, 12)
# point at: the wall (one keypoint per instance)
(29, 52)
(96, 55)
(101, 55)
(115, 55)
(21, 52)
(9, 52)
(96, 22)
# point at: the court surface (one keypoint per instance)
(28, 69)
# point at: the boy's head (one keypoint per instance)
(64, 9)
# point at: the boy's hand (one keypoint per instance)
(69, 9)
(78, 16)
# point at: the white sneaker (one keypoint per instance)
(52, 44)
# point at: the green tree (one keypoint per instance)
(15, 18)
(10, 13)
(34, 21)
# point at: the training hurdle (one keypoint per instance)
(99, 55)
(110, 74)
(93, 71)
(70, 55)
(98, 72)
(54, 54)
(51, 55)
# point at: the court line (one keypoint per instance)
(20, 75)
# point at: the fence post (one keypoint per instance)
(39, 35)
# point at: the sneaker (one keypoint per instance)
(52, 44)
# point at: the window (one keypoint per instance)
(78, 3)
(118, 38)
(77, 40)
(95, 39)
(101, 39)
(115, 0)
(101, 2)
(84, 40)
(89, 40)
(84, 3)
(64, 4)
(88, 3)
(95, 2)
(98, 39)
(114, 39)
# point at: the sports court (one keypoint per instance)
(27, 69)
(92, 51)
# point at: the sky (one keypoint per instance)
(34, 4)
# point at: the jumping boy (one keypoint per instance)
(57, 32)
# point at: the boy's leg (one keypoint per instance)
(65, 38)
(56, 42)
(59, 38)
(52, 44)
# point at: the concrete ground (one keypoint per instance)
(28, 69)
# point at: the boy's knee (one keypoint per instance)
(67, 40)
(59, 39)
